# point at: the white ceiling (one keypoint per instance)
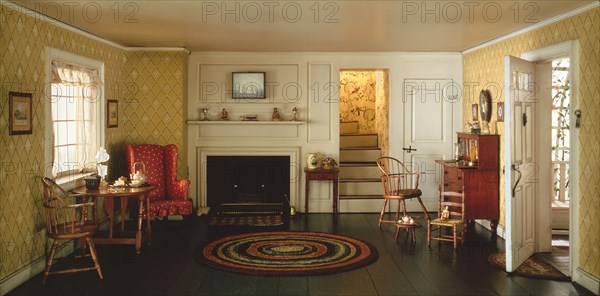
(303, 26)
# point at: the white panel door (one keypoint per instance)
(428, 109)
(520, 169)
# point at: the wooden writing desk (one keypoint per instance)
(479, 180)
(109, 194)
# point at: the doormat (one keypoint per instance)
(246, 220)
(287, 253)
(531, 268)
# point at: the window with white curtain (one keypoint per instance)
(76, 120)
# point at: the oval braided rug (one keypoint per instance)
(287, 253)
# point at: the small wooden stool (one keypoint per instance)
(410, 227)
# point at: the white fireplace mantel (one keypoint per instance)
(248, 130)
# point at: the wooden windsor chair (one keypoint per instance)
(400, 182)
(68, 219)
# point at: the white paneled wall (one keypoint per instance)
(309, 82)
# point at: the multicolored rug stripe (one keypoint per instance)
(287, 253)
(254, 220)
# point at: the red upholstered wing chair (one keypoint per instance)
(160, 162)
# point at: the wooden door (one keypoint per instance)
(519, 158)
(428, 132)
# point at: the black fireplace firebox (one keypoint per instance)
(248, 184)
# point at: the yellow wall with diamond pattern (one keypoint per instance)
(151, 89)
(153, 108)
(487, 66)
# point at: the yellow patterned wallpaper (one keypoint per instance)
(364, 98)
(487, 66)
(23, 41)
(153, 106)
(382, 107)
(357, 99)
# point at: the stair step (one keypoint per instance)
(349, 127)
(361, 197)
(361, 188)
(358, 140)
(362, 171)
(359, 155)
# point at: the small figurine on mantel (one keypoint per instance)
(204, 115)
(295, 111)
(276, 116)
(224, 114)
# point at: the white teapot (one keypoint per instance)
(139, 176)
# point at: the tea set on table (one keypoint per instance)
(137, 179)
(406, 220)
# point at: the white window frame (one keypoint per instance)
(52, 54)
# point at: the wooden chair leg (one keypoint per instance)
(398, 212)
(50, 260)
(404, 207)
(385, 201)
(428, 234)
(424, 209)
(464, 233)
(454, 235)
(94, 256)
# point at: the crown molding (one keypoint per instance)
(543, 23)
(86, 34)
(163, 49)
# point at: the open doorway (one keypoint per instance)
(557, 74)
(560, 157)
(364, 99)
(364, 136)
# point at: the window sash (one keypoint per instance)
(74, 120)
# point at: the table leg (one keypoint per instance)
(148, 225)
(335, 196)
(109, 208)
(124, 201)
(306, 189)
(138, 235)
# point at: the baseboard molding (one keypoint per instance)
(586, 280)
(500, 231)
(29, 271)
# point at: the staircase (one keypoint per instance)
(359, 174)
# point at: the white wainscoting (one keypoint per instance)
(309, 82)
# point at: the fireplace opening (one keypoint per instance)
(248, 184)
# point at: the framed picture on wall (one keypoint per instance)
(248, 85)
(500, 111)
(112, 113)
(20, 113)
(475, 112)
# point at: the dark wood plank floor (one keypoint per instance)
(168, 266)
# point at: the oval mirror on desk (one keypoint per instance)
(485, 105)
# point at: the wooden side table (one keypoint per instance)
(322, 175)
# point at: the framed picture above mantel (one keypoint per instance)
(248, 85)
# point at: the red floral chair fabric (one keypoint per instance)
(160, 162)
